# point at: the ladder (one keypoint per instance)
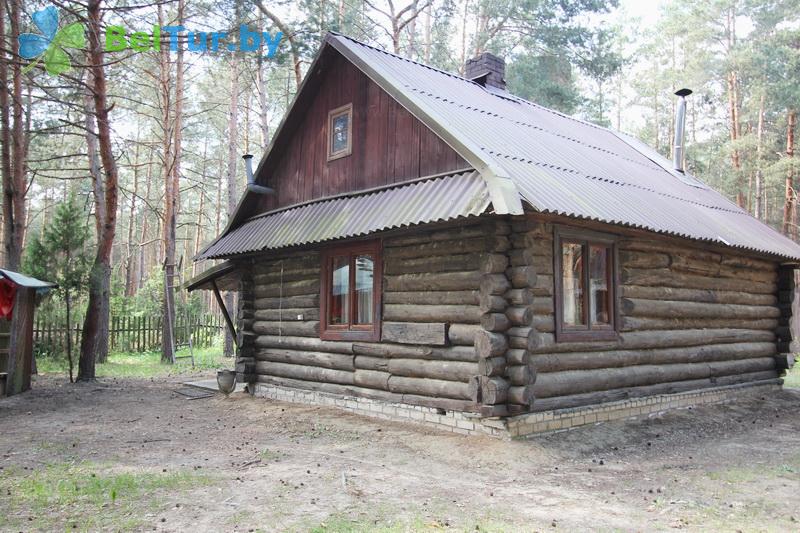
(170, 285)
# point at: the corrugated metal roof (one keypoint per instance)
(563, 165)
(436, 199)
(26, 281)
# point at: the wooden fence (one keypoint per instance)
(129, 333)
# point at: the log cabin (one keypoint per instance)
(421, 245)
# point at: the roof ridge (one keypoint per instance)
(507, 96)
(406, 59)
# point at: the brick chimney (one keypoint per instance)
(487, 70)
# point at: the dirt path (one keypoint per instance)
(242, 464)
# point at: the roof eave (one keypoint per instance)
(204, 279)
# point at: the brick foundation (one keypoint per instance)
(453, 421)
(517, 426)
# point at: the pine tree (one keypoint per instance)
(62, 254)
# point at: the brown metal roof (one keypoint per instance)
(559, 164)
(430, 200)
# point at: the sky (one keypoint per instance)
(646, 10)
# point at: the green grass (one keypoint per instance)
(339, 523)
(143, 365)
(748, 474)
(86, 496)
(269, 455)
(342, 524)
(397, 517)
(792, 378)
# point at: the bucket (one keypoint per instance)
(226, 381)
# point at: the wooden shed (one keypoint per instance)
(417, 244)
(17, 304)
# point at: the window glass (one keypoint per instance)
(572, 283)
(339, 310)
(363, 298)
(598, 285)
(339, 133)
(350, 292)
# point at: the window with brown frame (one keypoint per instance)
(350, 292)
(586, 285)
(340, 132)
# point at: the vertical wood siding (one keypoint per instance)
(389, 144)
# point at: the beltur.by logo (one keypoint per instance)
(118, 38)
(49, 45)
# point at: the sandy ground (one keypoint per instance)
(272, 466)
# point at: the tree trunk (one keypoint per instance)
(427, 36)
(481, 21)
(198, 227)
(298, 74)
(172, 140)
(129, 259)
(177, 152)
(95, 171)
(200, 212)
(655, 108)
(411, 52)
(261, 82)
(233, 134)
(733, 106)
(94, 338)
(19, 145)
(791, 196)
(143, 235)
(5, 146)
(68, 304)
(463, 61)
(759, 211)
(13, 139)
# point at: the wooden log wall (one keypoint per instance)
(488, 385)
(690, 319)
(432, 283)
(245, 360)
(787, 322)
(505, 382)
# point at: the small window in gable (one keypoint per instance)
(340, 132)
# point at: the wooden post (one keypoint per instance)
(221, 303)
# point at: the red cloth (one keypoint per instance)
(8, 291)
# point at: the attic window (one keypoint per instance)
(340, 132)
